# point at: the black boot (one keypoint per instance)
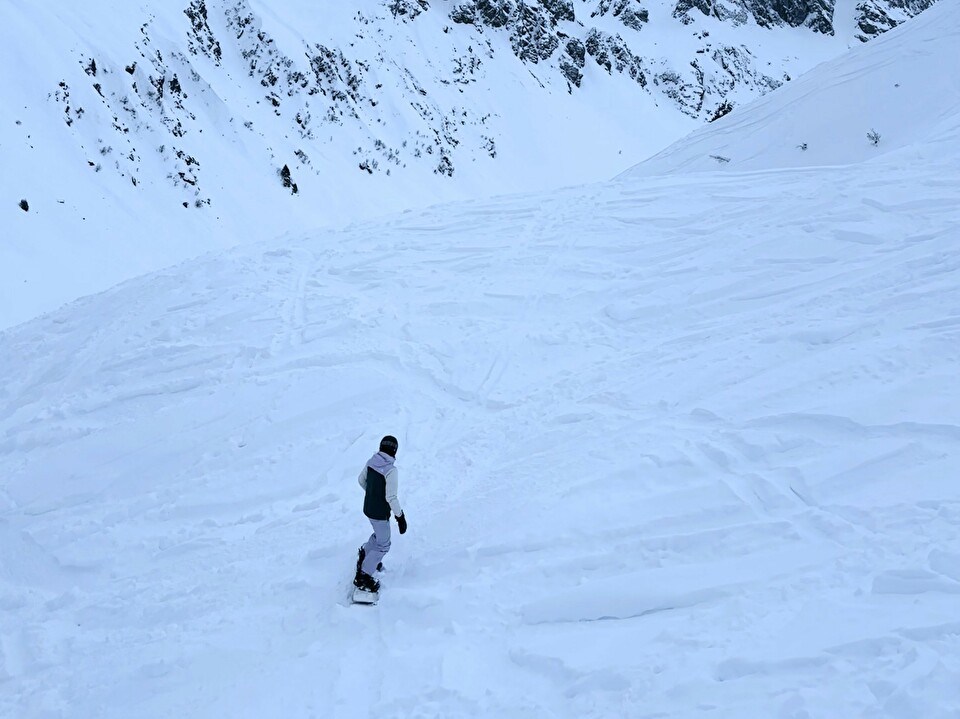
(366, 582)
(360, 556)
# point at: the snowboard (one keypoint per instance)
(362, 596)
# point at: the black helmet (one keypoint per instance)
(389, 445)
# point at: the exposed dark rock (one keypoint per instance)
(631, 13)
(576, 51)
(70, 113)
(571, 72)
(445, 167)
(684, 6)
(612, 53)
(464, 14)
(201, 39)
(814, 14)
(684, 93)
(186, 170)
(571, 66)
(532, 25)
(490, 145)
(533, 38)
(492, 13)
(877, 16)
(495, 13)
(465, 68)
(728, 10)
(287, 180)
(871, 21)
(407, 9)
(739, 69)
(726, 107)
(560, 10)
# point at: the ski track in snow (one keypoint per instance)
(661, 457)
(669, 446)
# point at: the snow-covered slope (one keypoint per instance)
(671, 446)
(857, 108)
(138, 134)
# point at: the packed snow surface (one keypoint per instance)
(670, 446)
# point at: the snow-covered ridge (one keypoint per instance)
(679, 445)
(889, 105)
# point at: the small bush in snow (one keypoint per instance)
(874, 137)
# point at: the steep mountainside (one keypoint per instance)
(888, 109)
(871, 17)
(145, 133)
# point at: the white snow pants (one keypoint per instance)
(377, 546)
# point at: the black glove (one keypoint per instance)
(402, 523)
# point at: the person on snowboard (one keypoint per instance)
(379, 481)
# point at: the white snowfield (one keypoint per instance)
(670, 446)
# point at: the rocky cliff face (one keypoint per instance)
(872, 16)
(330, 95)
(554, 30)
(814, 14)
(877, 16)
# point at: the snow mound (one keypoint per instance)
(875, 100)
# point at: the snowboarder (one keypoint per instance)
(379, 481)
